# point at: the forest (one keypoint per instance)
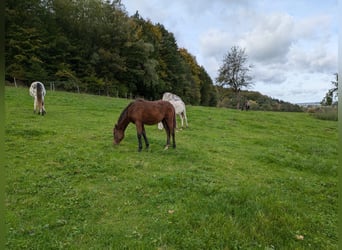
(94, 46)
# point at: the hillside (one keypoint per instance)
(237, 180)
(257, 101)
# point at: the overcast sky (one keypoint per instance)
(293, 44)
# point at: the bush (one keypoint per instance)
(325, 113)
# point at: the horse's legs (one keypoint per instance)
(35, 104)
(139, 142)
(186, 118)
(181, 115)
(145, 138)
(139, 133)
(172, 129)
(167, 130)
(173, 138)
(43, 108)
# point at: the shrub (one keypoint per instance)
(325, 113)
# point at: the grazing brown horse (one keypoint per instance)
(141, 112)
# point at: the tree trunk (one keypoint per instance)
(238, 99)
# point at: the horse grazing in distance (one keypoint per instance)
(179, 106)
(37, 91)
(141, 112)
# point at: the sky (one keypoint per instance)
(292, 45)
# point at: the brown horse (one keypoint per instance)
(141, 112)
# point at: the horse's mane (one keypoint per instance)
(167, 96)
(124, 113)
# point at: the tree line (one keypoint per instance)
(94, 46)
(257, 101)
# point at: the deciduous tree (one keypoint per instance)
(234, 72)
(329, 96)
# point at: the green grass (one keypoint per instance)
(237, 180)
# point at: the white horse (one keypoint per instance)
(179, 106)
(37, 91)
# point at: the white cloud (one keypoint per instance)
(215, 43)
(292, 44)
(318, 57)
(269, 74)
(312, 27)
(270, 39)
(212, 64)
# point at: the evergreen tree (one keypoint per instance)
(208, 92)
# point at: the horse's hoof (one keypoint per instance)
(166, 147)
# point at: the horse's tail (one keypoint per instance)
(174, 119)
(174, 128)
(40, 98)
(39, 93)
(185, 117)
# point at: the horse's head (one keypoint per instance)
(118, 134)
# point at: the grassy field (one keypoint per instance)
(237, 180)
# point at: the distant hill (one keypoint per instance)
(309, 104)
(257, 101)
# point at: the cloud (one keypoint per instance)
(276, 45)
(312, 27)
(267, 45)
(271, 38)
(203, 7)
(298, 88)
(316, 59)
(269, 74)
(290, 43)
(215, 43)
(212, 64)
(280, 44)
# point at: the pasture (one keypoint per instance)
(237, 180)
